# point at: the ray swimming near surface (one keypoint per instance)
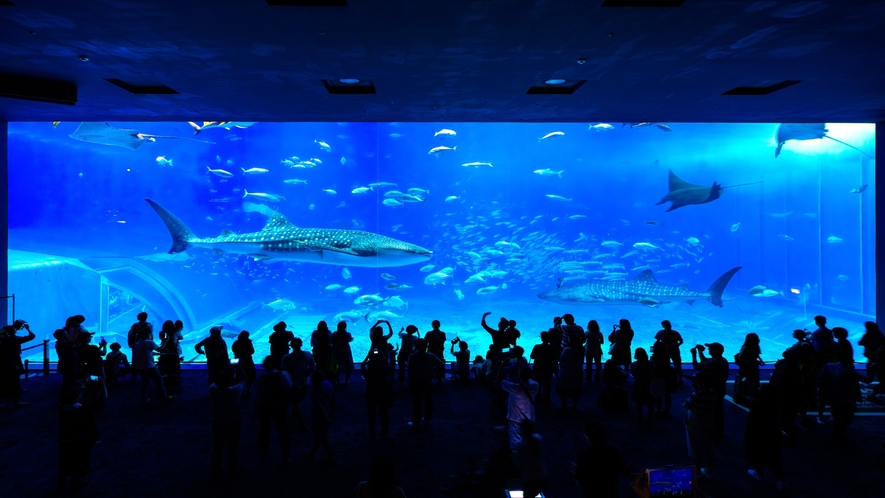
(805, 131)
(105, 134)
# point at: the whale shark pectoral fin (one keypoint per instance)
(227, 232)
(690, 302)
(218, 252)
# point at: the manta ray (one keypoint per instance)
(805, 131)
(281, 240)
(683, 193)
(105, 134)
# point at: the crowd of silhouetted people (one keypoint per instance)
(295, 389)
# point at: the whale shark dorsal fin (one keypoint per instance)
(276, 221)
(646, 276)
(226, 232)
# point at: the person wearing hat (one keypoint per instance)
(215, 350)
(11, 360)
(717, 368)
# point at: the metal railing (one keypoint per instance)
(45, 347)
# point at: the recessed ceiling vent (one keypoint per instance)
(762, 89)
(142, 89)
(643, 3)
(307, 3)
(555, 87)
(349, 86)
(15, 86)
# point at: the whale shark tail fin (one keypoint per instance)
(181, 234)
(717, 287)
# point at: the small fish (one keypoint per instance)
(395, 135)
(361, 190)
(263, 196)
(842, 278)
(654, 223)
(577, 216)
(780, 215)
(758, 289)
(551, 135)
(768, 293)
(416, 191)
(333, 287)
(611, 243)
(387, 276)
(55, 123)
(832, 239)
(442, 148)
(345, 273)
(323, 145)
(663, 127)
(310, 207)
(557, 198)
(445, 132)
(220, 172)
(548, 172)
(786, 237)
(477, 165)
(329, 191)
(693, 241)
(427, 268)
(343, 160)
(735, 227)
(452, 198)
(391, 203)
(382, 184)
(487, 290)
(645, 245)
(254, 171)
(162, 161)
(437, 278)
(859, 190)
(315, 160)
(459, 294)
(295, 181)
(601, 127)
(352, 290)
(647, 301)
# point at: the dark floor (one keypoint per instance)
(164, 451)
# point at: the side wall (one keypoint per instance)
(4, 214)
(880, 220)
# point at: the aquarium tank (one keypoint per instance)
(723, 229)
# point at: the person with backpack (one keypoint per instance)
(520, 403)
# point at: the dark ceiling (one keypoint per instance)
(451, 60)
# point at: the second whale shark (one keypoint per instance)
(281, 240)
(643, 290)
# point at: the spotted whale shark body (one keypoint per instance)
(281, 240)
(643, 290)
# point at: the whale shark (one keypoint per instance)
(281, 240)
(643, 290)
(805, 131)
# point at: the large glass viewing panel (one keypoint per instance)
(411, 222)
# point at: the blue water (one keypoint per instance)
(800, 232)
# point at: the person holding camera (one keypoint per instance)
(621, 340)
(716, 367)
(11, 360)
(462, 360)
(406, 348)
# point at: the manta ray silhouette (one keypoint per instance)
(805, 131)
(105, 134)
(683, 193)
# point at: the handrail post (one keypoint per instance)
(45, 357)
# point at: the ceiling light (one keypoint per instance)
(554, 82)
(349, 81)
